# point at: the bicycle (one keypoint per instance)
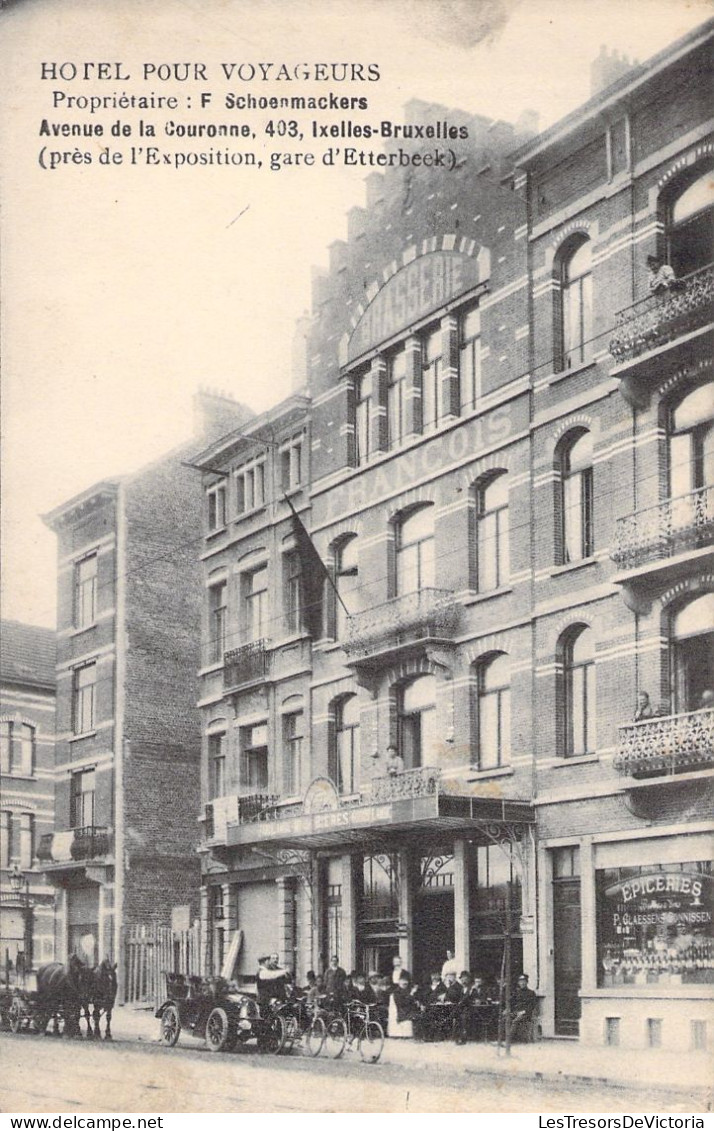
(357, 1026)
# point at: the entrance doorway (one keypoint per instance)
(566, 941)
(433, 930)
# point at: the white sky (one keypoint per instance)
(124, 290)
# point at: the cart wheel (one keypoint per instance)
(40, 1020)
(276, 1036)
(16, 1016)
(170, 1026)
(219, 1037)
(371, 1042)
(336, 1038)
(315, 1037)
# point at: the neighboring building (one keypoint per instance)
(623, 581)
(127, 770)
(27, 735)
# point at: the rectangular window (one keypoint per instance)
(293, 733)
(291, 463)
(292, 592)
(83, 698)
(85, 591)
(27, 839)
(217, 613)
(250, 487)
(5, 838)
(431, 380)
(254, 758)
(470, 359)
(216, 500)
(255, 603)
(396, 382)
(217, 765)
(578, 515)
(363, 413)
(17, 748)
(81, 799)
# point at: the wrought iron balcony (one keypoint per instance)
(670, 744)
(659, 318)
(92, 842)
(245, 665)
(672, 527)
(422, 615)
(235, 809)
(411, 783)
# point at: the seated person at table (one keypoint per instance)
(362, 991)
(524, 1003)
(435, 1010)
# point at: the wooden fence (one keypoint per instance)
(150, 952)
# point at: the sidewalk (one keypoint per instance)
(547, 1061)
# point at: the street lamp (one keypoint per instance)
(20, 887)
(19, 883)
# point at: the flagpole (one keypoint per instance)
(328, 575)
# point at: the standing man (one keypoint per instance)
(334, 981)
(271, 980)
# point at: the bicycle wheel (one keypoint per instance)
(275, 1036)
(315, 1037)
(336, 1038)
(371, 1042)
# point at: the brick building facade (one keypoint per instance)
(510, 488)
(27, 731)
(127, 768)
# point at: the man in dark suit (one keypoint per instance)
(524, 1002)
(334, 981)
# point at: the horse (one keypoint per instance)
(103, 992)
(66, 990)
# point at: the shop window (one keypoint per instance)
(690, 225)
(492, 548)
(363, 417)
(217, 764)
(84, 681)
(250, 486)
(254, 758)
(692, 654)
(85, 591)
(415, 551)
(577, 647)
(292, 592)
(216, 504)
(574, 501)
(418, 740)
(254, 588)
(217, 613)
(344, 770)
(494, 712)
(655, 925)
(470, 359)
(574, 314)
(691, 450)
(432, 367)
(346, 584)
(291, 463)
(17, 748)
(396, 384)
(81, 799)
(293, 738)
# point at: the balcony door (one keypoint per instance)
(693, 654)
(418, 738)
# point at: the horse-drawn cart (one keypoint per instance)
(27, 1007)
(62, 993)
(209, 1009)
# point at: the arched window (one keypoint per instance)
(576, 496)
(345, 762)
(692, 652)
(418, 739)
(494, 712)
(691, 442)
(576, 301)
(578, 653)
(690, 226)
(345, 583)
(492, 563)
(415, 551)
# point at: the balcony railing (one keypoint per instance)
(659, 318)
(411, 783)
(668, 744)
(247, 664)
(89, 843)
(423, 614)
(231, 809)
(670, 528)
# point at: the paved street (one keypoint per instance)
(58, 1075)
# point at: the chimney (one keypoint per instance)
(607, 69)
(216, 413)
